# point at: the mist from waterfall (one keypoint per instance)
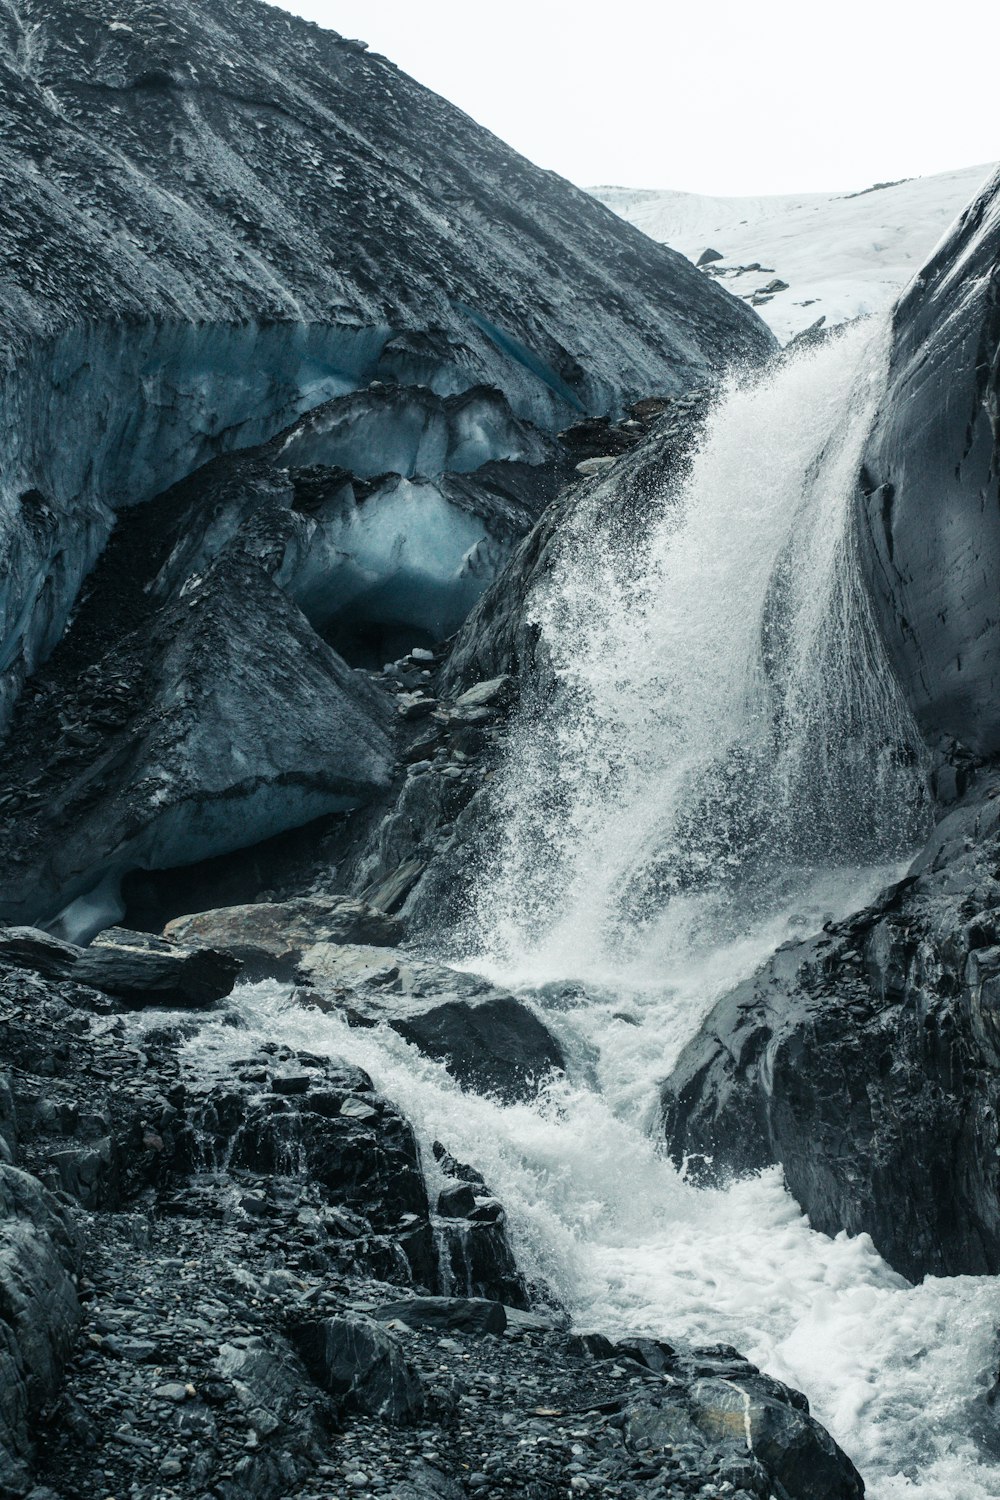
(723, 725)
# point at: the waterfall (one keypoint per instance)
(723, 722)
(724, 760)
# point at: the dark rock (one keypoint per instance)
(459, 1169)
(793, 1450)
(866, 1061)
(472, 1315)
(480, 1262)
(707, 256)
(497, 1046)
(363, 1365)
(456, 1202)
(929, 522)
(128, 965)
(39, 1315)
(487, 1039)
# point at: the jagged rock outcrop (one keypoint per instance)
(138, 969)
(929, 518)
(225, 721)
(254, 215)
(866, 1061)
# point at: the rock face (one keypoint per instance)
(268, 253)
(254, 215)
(930, 526)
(219, 722)
(866, 1062)
(39, 1315)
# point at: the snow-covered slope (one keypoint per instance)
(841, 254)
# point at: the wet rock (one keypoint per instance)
(489, 1040)
(456, 1202)
(477, 1260)
(127, 965)
(271, 938)
(865, 1061)
(472, 1315)
(363, 1366)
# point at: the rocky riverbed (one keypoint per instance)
(235, 1283)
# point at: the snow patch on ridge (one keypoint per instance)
(843, 255)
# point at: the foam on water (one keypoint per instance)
(898, 1374)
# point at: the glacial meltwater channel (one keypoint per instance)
(724, 763)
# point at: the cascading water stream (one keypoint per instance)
(724, 762)
(722, 723)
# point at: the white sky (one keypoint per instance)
(712, 96)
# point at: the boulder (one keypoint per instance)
(39, 1315)
(275, 1396)
(929, 525)
(472, 1315)
(363, 1366)
(489, 1040)
(866, 1061)
(271, 937)
(779, 1444)
(132, 966)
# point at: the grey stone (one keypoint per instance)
(127, 965)
(473, 1315)
(363, 1366)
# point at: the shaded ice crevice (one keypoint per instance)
(108, 416)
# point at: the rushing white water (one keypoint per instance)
(722, 716)
(723, 765)
(898, 1374)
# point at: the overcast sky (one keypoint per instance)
(711, 96)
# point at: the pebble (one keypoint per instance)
(172, 1391)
